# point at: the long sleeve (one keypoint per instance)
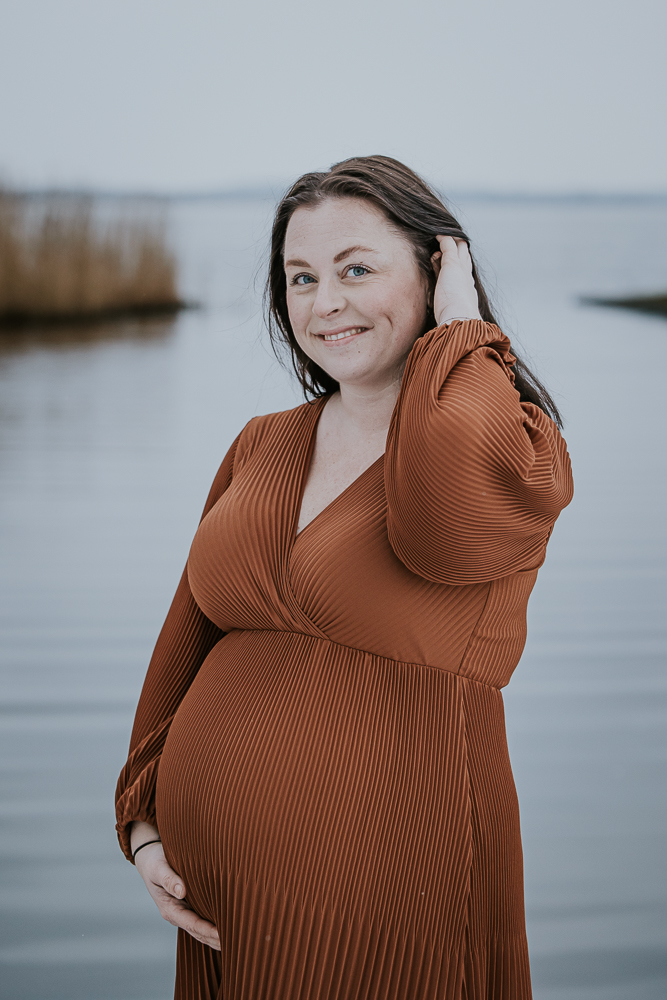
(186, 639)
(475, 479)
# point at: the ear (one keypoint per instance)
(432, 279)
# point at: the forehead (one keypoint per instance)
(336, 223)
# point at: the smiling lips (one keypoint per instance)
(342, 334)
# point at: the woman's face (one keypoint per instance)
(356, 298)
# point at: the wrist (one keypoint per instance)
(142, 832)
(445, 318)
(145, 845)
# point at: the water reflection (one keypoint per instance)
(59, 336)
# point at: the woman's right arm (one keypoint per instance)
(186, 639)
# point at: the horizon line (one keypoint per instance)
(274, 192)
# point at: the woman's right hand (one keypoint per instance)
(168, 890)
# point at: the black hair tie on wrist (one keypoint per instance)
(134, 853)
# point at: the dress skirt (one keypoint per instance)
(331, 816)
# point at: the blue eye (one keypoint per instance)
(307, 279)
(358, 270)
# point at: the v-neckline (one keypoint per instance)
(305, 469)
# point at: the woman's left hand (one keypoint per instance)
(455, 292)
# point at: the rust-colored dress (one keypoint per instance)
(320, 736)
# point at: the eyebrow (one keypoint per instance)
(350, 250)
(297, 262)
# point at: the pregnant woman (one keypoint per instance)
(318, 791)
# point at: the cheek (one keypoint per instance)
(406, 309)
(294, 310)
(299, 312)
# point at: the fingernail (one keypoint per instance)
(178, 889)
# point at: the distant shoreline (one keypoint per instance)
(15, 321)
(274, 192)
(654, 304)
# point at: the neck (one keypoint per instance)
(367, 408)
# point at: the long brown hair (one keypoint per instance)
(418, 213)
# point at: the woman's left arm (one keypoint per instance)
(475, 478)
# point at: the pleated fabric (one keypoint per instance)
(320, 737)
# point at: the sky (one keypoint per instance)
(208, 95)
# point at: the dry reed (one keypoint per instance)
(60, 260)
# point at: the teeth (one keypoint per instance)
(344, 334)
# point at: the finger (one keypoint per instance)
(166, 877)
(464, 254)
(207, 937)
(173, 886)
(182, 916)
(448, 246)
(436, 262)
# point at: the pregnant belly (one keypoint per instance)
(317, 772)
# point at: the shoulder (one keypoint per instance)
(268, 430)
(271, 430)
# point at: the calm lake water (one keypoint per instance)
(109, 439)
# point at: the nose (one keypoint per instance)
(329, 299)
